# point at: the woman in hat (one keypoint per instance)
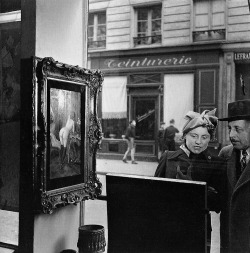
(194, 162)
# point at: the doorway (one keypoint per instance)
(145, 112)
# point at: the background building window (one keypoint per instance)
(97, 30)
(209, 20)
(148, 25)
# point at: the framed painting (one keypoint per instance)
(66, 133)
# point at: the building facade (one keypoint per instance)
(163, 58)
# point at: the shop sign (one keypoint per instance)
(147, 62)
(242, 56)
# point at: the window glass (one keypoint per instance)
(151, 75)
(114, 128)
(91, 19)
(102, 18)
(145, 116)
(148, 25)
(97, 30)
(142, 28)
(209, 14)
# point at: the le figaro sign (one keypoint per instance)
(145, 62)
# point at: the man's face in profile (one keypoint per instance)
(239, 133)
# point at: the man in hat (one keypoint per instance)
(235, 218)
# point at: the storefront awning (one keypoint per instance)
(114, 97)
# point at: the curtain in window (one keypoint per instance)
(178, 97)
(114, 98)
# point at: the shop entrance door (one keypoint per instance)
(145, 111)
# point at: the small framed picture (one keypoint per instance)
(66, 133)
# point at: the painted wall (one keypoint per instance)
(59, 30)
(59, 34)
(52, 28)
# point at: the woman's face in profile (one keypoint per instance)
(197, 139)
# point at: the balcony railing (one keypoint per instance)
(147, 40)
(209, 35)
(97, 44)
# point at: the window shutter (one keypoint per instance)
(201, 12)
(218, 14)
(207, 90)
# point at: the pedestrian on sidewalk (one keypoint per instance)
(160, 139)
(130, 138)
(169, 135)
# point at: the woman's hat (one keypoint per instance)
(205, 119)
(238, 110)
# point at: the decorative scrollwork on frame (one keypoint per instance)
(96, 83)
(90, 190)
(94, 134)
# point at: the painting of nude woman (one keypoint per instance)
(65, 133)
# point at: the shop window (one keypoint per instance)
(148, 25)
(145, 114)
(114, 128)
(209, 20)
(242, 79)
(97, 30)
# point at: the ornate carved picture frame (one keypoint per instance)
(66, 133)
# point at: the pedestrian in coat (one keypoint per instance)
(169, 136)
(192, 161)
(130, 138)
(160, 138)
(235, 219)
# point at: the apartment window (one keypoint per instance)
(97, 30)
(148, 25)
(209, 20)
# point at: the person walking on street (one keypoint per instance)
(160, 138)
(130, 138)
(235, 219)
(169, 135)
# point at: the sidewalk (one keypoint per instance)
(118, 166)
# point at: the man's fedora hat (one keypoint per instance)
(238, 110)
